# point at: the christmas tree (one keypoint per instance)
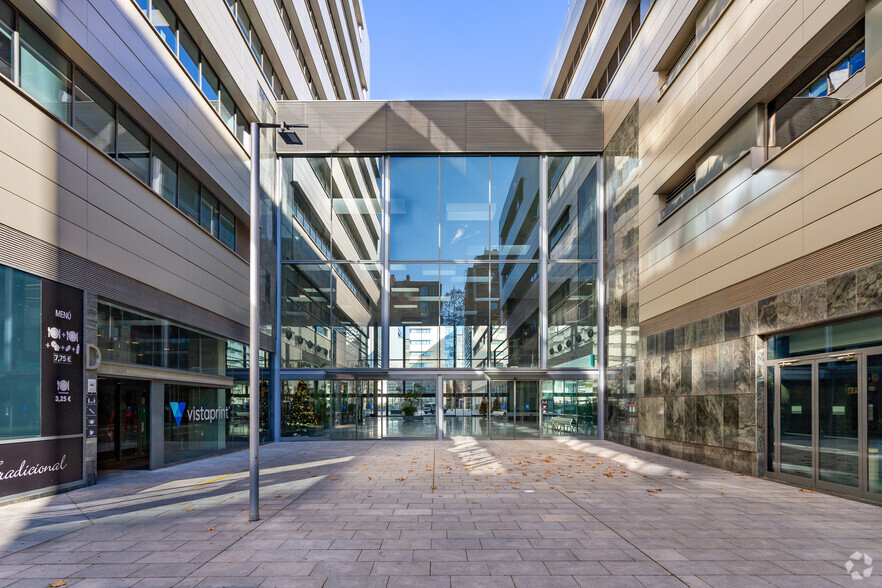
(301, 412)
(497, 406)
(483, 409)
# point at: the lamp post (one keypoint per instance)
(290, 137)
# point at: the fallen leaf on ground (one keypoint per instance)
(211, 528)
(58, 583)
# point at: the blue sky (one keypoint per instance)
(459, 49)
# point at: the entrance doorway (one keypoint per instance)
(123, 424)
(827, 427)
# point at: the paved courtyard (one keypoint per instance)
(454, 513)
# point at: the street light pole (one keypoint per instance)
(290, 137)
(254, 334)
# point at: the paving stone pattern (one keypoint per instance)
(454, 513)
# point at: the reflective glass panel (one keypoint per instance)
(838, 457)
(6, 23)
(306, 208)
(208, 213)
(413, 323)
(514, 314)
(207, 421)
(466, 409)
(413, 205)
(20, 305)
(356, 315)
(796, 421)
(465, 209)
(514, 207)
(572, 208)
(94, 115)
(465, 314)
(189, 54)
(569, 407)
(165, 174)
(306, 316)
(572, 315)
(228, 109)
(188, 194)
(410, 409)
(133, 147)
(162, 17)
(227, 228)
(45, 72)
(357, 209)
(874, 423)
(210, 85)
(305, 408)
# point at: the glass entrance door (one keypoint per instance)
(795, 412)
(820, 404)
(838, 435)
(123, 423)
(514, 409)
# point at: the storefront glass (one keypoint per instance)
(202, 421)
(20, 305)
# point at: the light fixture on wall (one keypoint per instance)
(289, 135)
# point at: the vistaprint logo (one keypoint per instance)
(859, 565)
(198, 414)
(177, 411)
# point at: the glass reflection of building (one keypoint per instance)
(468, 268)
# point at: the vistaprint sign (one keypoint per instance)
(179, 409)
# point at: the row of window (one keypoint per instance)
(580, 49)
(321, 45)
(298, 52)
(705, 20)
(350, 79)
(50, 78)
(850, 63)
(240, 15)
(181, 43)
(619, 53)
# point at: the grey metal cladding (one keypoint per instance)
(503, 126)
(574, 125)
(445, 126)
(431, 126)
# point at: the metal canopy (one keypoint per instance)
(448, 126)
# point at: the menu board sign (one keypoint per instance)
(62, 360)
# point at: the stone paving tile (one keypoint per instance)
(439, 514)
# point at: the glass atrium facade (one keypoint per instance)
(456, 285)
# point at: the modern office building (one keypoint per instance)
(125, 158)
(676, 249)
(743, 215)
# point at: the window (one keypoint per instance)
(619, 53)
(210, 85)
(227, 228)
(133, 148)
(208, 215)
(45, 72)
(228, 111)
(822, 88)
(165, 174)
(94, 115)
(189, 54)
(6, 27)
(188, 194)
(700, 24)
(20, 303)
(166, 23)
(560, 227)
(244, 22)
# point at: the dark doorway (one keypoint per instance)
(123, 424)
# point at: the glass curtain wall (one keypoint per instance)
(464, 287)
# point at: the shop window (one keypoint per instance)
(20, 305)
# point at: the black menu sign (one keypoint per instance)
(40, 464)
(62, 360)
